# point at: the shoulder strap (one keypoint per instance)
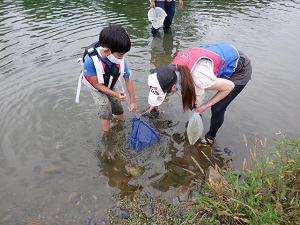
(92, 52)
(98, 66)
(89, 49)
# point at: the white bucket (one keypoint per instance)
(157, 17)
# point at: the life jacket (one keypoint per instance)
(106, 75)
(224, 58)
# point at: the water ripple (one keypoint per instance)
(41, 125)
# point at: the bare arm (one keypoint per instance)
(224, 87)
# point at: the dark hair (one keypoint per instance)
(187, 87)
(115, 38)
(166, 77)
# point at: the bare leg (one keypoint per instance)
(105, 125)
(121, 117)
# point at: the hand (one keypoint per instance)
(152, 4)
(153, 108)
(200, 109)
(180, 4)
(132, 107)
(122, 96)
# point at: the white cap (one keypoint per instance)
(160, 82)
(156, 94)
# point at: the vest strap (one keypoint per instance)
(78, 87)
(99, 68)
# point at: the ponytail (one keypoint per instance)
(188, 87)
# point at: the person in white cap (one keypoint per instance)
(194, 71)
(169, 7)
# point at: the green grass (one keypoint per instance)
(268, 192)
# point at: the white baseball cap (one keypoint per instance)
(160, 82)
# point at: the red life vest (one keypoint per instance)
(224, 58)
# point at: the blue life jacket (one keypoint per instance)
(223, 56)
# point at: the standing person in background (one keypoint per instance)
(169, 7)
(194, 71)
(103, 65)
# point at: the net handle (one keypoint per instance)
(136, 114)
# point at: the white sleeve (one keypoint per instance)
(204, 77)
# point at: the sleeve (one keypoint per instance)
(126, 70)
(204, 77)
(89, 67)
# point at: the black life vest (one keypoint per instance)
(110, 74)
(105, 74)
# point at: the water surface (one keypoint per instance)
(54, 164)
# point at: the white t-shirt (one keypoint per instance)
(204, 77)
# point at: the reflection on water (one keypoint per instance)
(156, 168)
(54, 163)
(163, 48)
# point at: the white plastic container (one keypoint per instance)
(157, 17)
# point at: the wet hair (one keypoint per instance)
(188, 92)
(115, 38)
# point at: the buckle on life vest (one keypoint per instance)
(90, 50)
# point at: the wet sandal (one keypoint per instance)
(207, 140)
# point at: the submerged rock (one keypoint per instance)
(147, 209)
(133, 171)
(74, 197)
(176, 201)
(52, 169)
(120, 213)
(213, 176)
(184, 193)
(228, 151)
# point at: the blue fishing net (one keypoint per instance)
(142, 135)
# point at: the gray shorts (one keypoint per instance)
(243, 71)
(107, 105)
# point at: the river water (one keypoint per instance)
(55, 167)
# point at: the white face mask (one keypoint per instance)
(113, 59)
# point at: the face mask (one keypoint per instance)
(113, 59)
(178, 83)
